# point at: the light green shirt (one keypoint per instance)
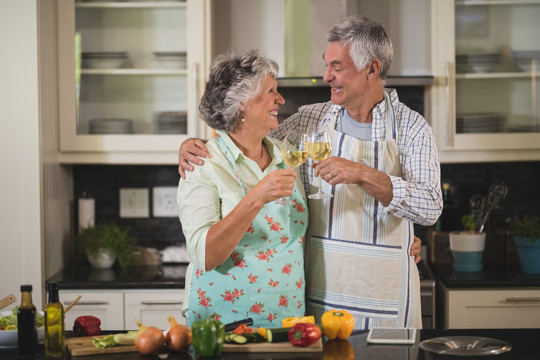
(212, 190)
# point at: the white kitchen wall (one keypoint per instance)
(20, 179)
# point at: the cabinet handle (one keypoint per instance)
(523, 298)
(173, 302)
(450, 103)
(88, 302)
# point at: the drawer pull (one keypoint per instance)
(523, 298)
(174, 302)
(88, 302)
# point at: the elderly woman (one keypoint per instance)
(246, 248)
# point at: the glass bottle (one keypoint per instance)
(26, 325)
(54, 324)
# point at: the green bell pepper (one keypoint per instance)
(208, 337)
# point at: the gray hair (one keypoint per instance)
(235, 78)
(367, 40)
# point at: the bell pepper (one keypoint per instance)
(304, 334)
(338, 350)
(337, 324)
(208, 336)
(290, 321)
(87, 325)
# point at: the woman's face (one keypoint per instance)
(262, 111)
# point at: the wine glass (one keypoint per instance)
(319, 147)
(293, 153)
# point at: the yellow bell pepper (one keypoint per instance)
(337, 324)
(338, 350)
(290, 321)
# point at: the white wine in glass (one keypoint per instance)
(319, 147)
(294, 153)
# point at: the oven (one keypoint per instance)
(427, 295)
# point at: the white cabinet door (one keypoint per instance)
(500, 309)
(108, 306)
(139, 109)
(485, 96)
(153, 307)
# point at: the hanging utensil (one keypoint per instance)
(478, 208)
(497, 192)
(10, 299)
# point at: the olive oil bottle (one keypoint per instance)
(26, 325)
(54, 324)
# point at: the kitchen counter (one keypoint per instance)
(137, 277)
(492, 276)
(523, 341)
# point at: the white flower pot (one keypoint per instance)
(103, 259)
(467, 250)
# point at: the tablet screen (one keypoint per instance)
(392, 335)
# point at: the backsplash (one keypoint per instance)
(104, 181)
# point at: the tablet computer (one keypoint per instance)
(391, 336)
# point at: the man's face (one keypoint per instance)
(346, 82)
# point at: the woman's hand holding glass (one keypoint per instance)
(293, 153)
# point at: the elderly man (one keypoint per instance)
(384, 175)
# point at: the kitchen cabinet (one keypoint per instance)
(485, 97)
(131, 76)
(118, 309)
(106, 305)
(492, 308)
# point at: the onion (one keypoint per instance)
(178, 337)
(150, 341)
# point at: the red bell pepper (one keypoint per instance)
(87, 325)
(304, 334)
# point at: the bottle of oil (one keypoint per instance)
(26, 325)
(54, 324)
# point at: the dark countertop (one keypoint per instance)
(492, 276)
(137, 277)
(524, 347)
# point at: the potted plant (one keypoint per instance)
(467, 246)
(105, 244)
(526, 234)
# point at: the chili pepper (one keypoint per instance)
(242, 329)
(337, 324)
(338, 350)
(290, 321)
(87, 325)
(208, 337)
(304, 334)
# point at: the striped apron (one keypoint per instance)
(358, 254)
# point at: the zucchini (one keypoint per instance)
(277, 334)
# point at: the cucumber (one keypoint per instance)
(277, 334)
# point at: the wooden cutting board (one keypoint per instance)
(79, 346)
(284, 346)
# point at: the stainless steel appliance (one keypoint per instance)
(427, 295)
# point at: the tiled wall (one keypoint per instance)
(104, 182)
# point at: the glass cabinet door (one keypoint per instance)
(497, 55)
(130, 73)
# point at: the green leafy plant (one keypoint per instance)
(528, 227)
(469, 223)
(106, 236)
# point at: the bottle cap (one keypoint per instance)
(26, 287)
(52, 286)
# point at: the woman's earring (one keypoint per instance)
(243, 117)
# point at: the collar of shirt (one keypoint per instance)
(271, 144)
